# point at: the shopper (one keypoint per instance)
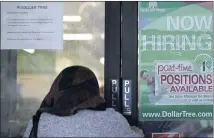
(74, 108)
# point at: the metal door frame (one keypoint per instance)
(130, 56)
(121, 36)
(112, 66)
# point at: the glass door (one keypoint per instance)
(167, 67)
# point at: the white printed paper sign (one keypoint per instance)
(31, 25)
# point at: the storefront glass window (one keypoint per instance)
(27, 74)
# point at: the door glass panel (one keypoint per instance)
(176, 68)
(27, 74)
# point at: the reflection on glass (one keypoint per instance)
(27, 74)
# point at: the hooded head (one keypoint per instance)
(75, 88)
